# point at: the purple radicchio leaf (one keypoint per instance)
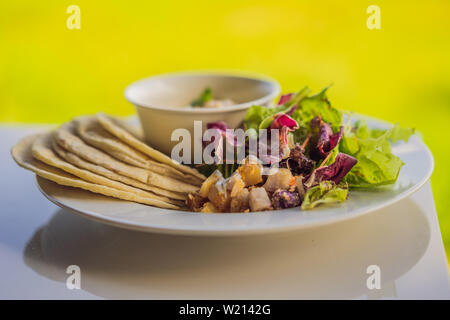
(284, 124)
(326, 141)
(269, 158)
(219, 125)
(285, 98)
(283, 120)
(225, 132)
(334, 172)
(265, 153)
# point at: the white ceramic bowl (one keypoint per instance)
(162, 102)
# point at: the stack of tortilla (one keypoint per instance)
(106, 155)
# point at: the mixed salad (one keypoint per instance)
(320, 158)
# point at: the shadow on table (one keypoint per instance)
(327, 262)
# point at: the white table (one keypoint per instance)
(38, 241)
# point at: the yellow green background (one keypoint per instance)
(400, 73)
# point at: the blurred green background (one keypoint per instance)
(400, 73)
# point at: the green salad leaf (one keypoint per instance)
(396, 134)
(317, 105)
(308, 107)
(332, 156)
(377, 165)
(259, 116)
(298, 97)
(325, 192)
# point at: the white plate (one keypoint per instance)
(417, 170)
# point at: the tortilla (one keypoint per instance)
(22, 154)
(90, 130)
(94, 134)
(66, 138)
(78, 162)
(42, 150)
(120, 129)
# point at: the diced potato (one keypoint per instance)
(230, 182)
(218, 195)
(239, 203)
(280, 179)
(259, 200)
(208, 207)
(251, 172)
(237, 188)
(212, 179)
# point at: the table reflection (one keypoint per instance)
(326, 262)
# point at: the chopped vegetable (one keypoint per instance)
(283, 199)
(240, 202)
(206, 185)
(204, 97)
(280, 179)
(218, 195)
(238, 187)
(251, 171)
(233, 180)
(259, 200)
